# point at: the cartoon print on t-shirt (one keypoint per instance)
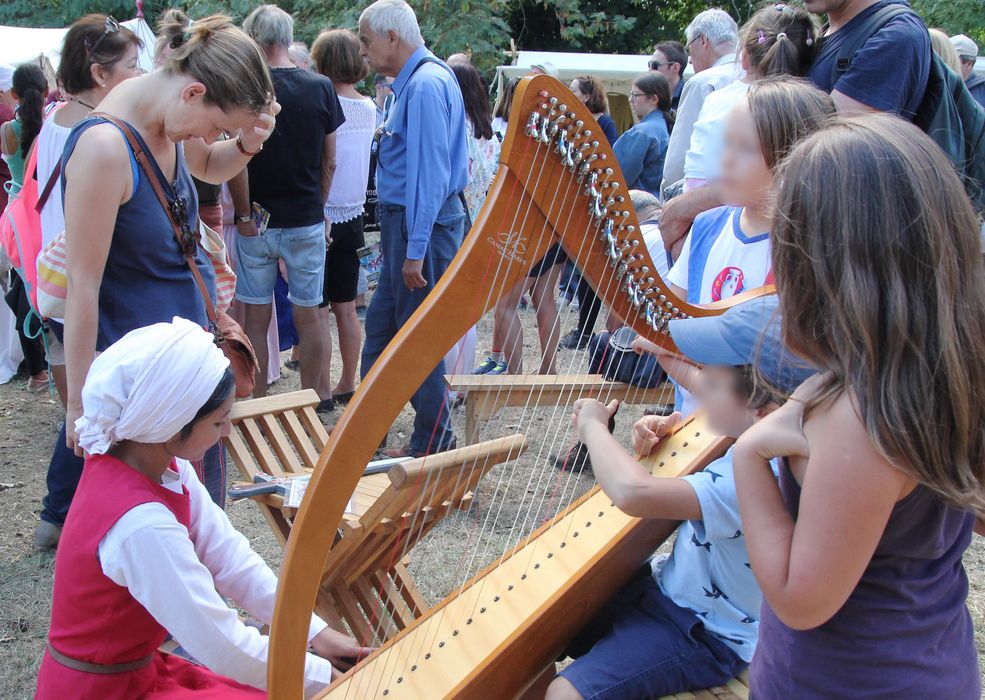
(728, 283)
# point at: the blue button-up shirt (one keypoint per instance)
(641, 152)
(423, 157)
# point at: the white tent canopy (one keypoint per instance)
(25, 44)
(615, 70)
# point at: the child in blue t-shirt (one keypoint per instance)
(691, 621)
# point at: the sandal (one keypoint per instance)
(343, 398)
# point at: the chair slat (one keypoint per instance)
(261, 450)
(287, 458)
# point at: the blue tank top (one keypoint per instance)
(905, 630)
(146, 279)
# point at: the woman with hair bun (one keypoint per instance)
(126, 268)
(97, 55)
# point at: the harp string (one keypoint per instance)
(562, 184)
(565, 484)
(493, 290)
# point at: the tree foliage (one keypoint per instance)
(485, 28)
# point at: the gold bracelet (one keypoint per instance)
(239, 145)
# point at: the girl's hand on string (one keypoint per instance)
(589, 411)
(255, 136)
(648, 431)
(781, 433)
(340, 649)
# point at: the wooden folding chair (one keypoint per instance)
(365, 588)
(279, 436)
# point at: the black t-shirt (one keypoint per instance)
(285, 178)
(889, 72)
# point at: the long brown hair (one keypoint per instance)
(594, 90)
(878, 263)
(785, 110)
(219, 55)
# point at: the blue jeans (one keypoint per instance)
(393, 304)
(303, 251)
(65, 471)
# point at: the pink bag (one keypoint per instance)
(20, 225)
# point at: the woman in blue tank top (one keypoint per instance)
(126, 268)
(858, 549)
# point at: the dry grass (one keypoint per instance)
(511, 501)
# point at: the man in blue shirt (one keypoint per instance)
(422, 168)
(887, 74)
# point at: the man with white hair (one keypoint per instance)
(300, 54)
(422, 169)
(290, 179)
(711, 41)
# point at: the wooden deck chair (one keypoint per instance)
(364, 587)
(279, 436)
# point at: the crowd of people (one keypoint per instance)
(787, 158)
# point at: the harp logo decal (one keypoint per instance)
(511, 245)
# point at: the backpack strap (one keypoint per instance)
(873, 25)
(49, 186)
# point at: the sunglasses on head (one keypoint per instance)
(112, 27)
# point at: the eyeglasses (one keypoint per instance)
(687, 46)
(112, 27)
(784, 8)
(633, 95)
(656, 65)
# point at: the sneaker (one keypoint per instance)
(573, 340)
(491, 366)
(574, 459)
(46, 536)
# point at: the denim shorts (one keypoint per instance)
(642, 645)
(303, 251)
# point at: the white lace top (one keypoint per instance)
(352, 145)
(483, 162)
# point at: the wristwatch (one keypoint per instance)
(245, 219)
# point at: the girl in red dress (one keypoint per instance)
(145, 552)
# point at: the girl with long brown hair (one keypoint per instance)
(878, 265)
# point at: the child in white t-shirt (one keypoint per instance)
(727, 251)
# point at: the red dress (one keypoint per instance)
(94, 620)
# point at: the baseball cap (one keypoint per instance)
(964, 45)
(6, 77)
(746, 334)
(546, 68)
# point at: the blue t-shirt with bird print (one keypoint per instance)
(708, 571)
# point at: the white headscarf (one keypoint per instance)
(148, 385)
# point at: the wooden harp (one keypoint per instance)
(558, 181)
